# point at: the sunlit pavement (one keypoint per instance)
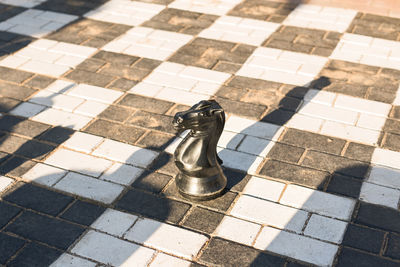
(311, 145)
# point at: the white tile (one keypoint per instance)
(240, 161)
(385, 176)
(125, 153)
(83, 142)
(250, 127)
(173, 81)
(185, 243)
(269, 213)
(325, 228)
(162, 260)
(320, 97)
(352, 133)
(44, 68)
(110, 250)
(215, 7)
(264, 188)
(114, 222)
(230, 140)
(122, 174)
(30, 52)
(23, 3)
(206, 75)
(180, 96)
(73, 50)
(13, 61)
(60, 86)
(27, 110)
(88, 187)
(44, 174)
(125, 12)
(62, 118)
(386, 158)
(228, 228)
(56, 16)
(79, 162)
(256, 146)
(296, 246)
(371, 122)
(95, 93)
(362, 105)
(329, 113)
(318, 202)
(5, 182)
(91, 108)
(146, 89)
(43, 44)
(380, 195)
(57, 101)
(302, 122)
(69, 260)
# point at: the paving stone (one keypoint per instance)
(39, 82)
(8, 212)
(336, 164)
(264, 188)
(9, 245)
(115, 58)
(152, 121)
(122, 84)
(161, 208)
(164, 164)
(349, 256)
(344, 185)
(7, 104)
(13, 75)
(359, 152)
(183, 21)
(35, 254)
(263, 10)
(116, 113)
(203, 220)
(122, 174)
(229, 226)
(221, 203)
(285, 152)
(83, 212)
(363, 238)
(153, 182)
(378, 216)
(26, 127)
(44, 229)
(101, 247)
(220, 252)
(313, 141)
(393, 247)
(15, 91)
(75, 8)
(67, 259)
(294, 173)
(116, 131)
(37, 198)
(16, 166)
(243, 109)
(96, 79)
(325, 228)
(156, 141)
(145, 103)
(114, 222)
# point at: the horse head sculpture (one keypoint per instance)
(200, 174)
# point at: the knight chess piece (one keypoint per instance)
(200, 174)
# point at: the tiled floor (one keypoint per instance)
(311, 144)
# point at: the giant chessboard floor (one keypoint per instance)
(311, 145)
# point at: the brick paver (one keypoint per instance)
(311, 145)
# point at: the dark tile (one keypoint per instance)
(116, 113)
(15, 43)
(91, 64)
(285, 152)
(15, 91)
(392, 142)
(40, 82)
(363, 238)
(38, 198)
(294, 173)
(16, 166)
(74, 7)
(34, 150)
(222, 203)
(244, 109)
(359, 152)
(350, 257)
(11, 143)
(278, 116)
(7, 104)
(146, 103)
(147, 63)
(156, 141)
(313, 141)
(122, 84)
(296, 264)
(130, 73)
(35, 255)
(116, 58)
(44, 229)
(150, 205)
(232, 93)
(7, 11)
(337, 164)
(57, 135)
(393, 246)
(227, 67)
(164, 163)
(8, 123)
(29, 128)
(203, 220)
(378, 216)
(115, 131)
(83, 212)
(9, 245)
(13, 75)
(344, 185)
(152, 121)
(236, 180)
(223, 252)
(96, 79)
(152, 181)
(4, 157)
(251, 83)
(7, 213)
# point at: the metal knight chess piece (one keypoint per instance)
(200, 174)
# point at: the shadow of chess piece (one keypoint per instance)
(200, 175)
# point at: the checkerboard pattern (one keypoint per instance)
(311, 145)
